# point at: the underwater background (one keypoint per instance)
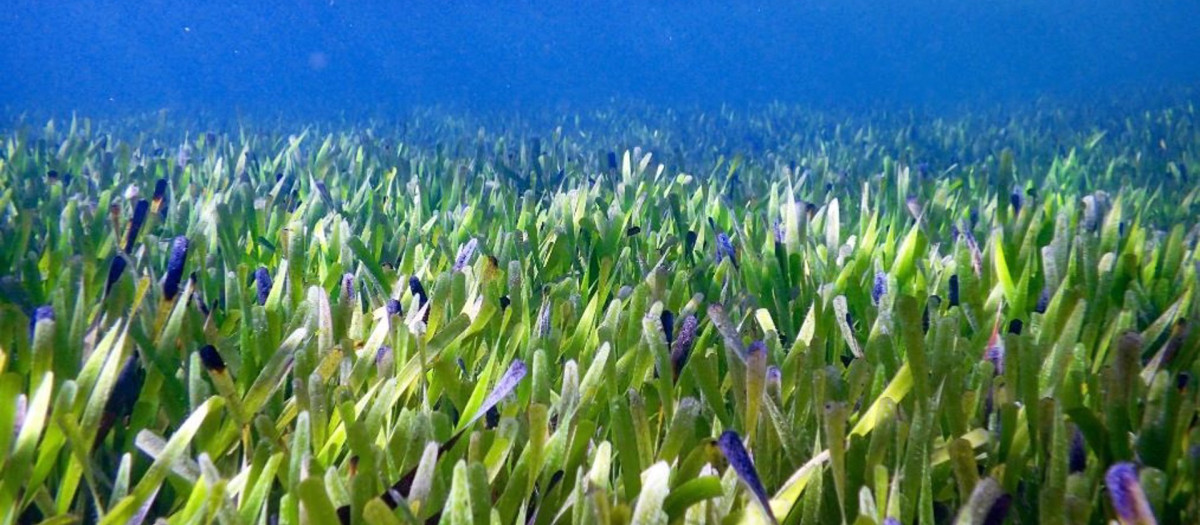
(353, 58)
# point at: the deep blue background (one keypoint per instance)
(326, 58)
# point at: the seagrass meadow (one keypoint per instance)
(769, 315)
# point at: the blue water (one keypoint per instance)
(345, 57)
